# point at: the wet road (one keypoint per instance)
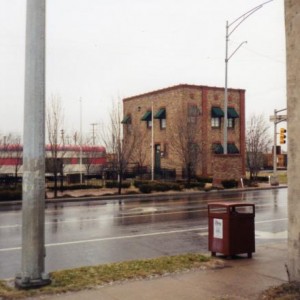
(90, 233)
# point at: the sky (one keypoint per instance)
(101, 51)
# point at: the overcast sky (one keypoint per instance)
(103, 50)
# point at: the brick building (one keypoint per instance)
(192, 112)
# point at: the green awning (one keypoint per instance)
(147, 116)
(217, 112)
(161, 114)
(232, 148)
(126, 120)
(231, 112)
(218, 148)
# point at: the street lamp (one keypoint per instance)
(152, 142)
(230, 28)
(93, 132)
(80, 142)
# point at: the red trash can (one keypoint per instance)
(231, 228)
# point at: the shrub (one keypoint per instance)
(10, 195)
(115, 184)
(204, 179)
(192, 185)
(145, 188)
(262, 178)
(158, 187)
(230, 183)
(75, 187)
(138, 183)
(175, 186)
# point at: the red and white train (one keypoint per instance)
(95, 156)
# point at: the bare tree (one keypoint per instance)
(139, 151)
(11, 152)
(15, 153)
(3, 152)
(258, 142)
(54, 122)
(186, 142)
(119, 150)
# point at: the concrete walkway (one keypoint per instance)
(242, 278)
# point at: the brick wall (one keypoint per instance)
(226, 167)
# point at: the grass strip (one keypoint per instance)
(285, 291)
(89, 277)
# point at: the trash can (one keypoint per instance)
(231, 228)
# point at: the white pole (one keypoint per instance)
(80, 154)
(275, 145)
(226, 91)
(33, 202)
(152, 142)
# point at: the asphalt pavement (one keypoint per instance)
(241, 278)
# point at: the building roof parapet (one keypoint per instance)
(180, 86)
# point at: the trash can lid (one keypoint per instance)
(230, 203)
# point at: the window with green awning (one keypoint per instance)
(232, 113)
(161, 114)
(126, 120)
(147, 116)
(231, 148)
(217, 112)
(217, 148)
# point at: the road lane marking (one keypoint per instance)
(133, 215)
(268, 221)
(133, 236)
(271, 235)
(114, 238)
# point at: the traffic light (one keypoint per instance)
(282, 136)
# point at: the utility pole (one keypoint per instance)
(152, 142)
(62, 136)
(292, 22)
(80, 143)
(93, 132)
(33, 204)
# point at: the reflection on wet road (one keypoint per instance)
(88, 233)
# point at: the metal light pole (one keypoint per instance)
(234, 25)
(33, 204)
(275, 146)
(93, 132)
(152, 142)
(80, 154)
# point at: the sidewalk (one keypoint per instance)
(241, 279)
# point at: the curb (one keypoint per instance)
(129, 197)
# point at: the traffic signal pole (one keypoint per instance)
(275, 147)
(276, 119)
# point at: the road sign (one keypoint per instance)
(278, 118)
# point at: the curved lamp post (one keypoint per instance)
(230, 28)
